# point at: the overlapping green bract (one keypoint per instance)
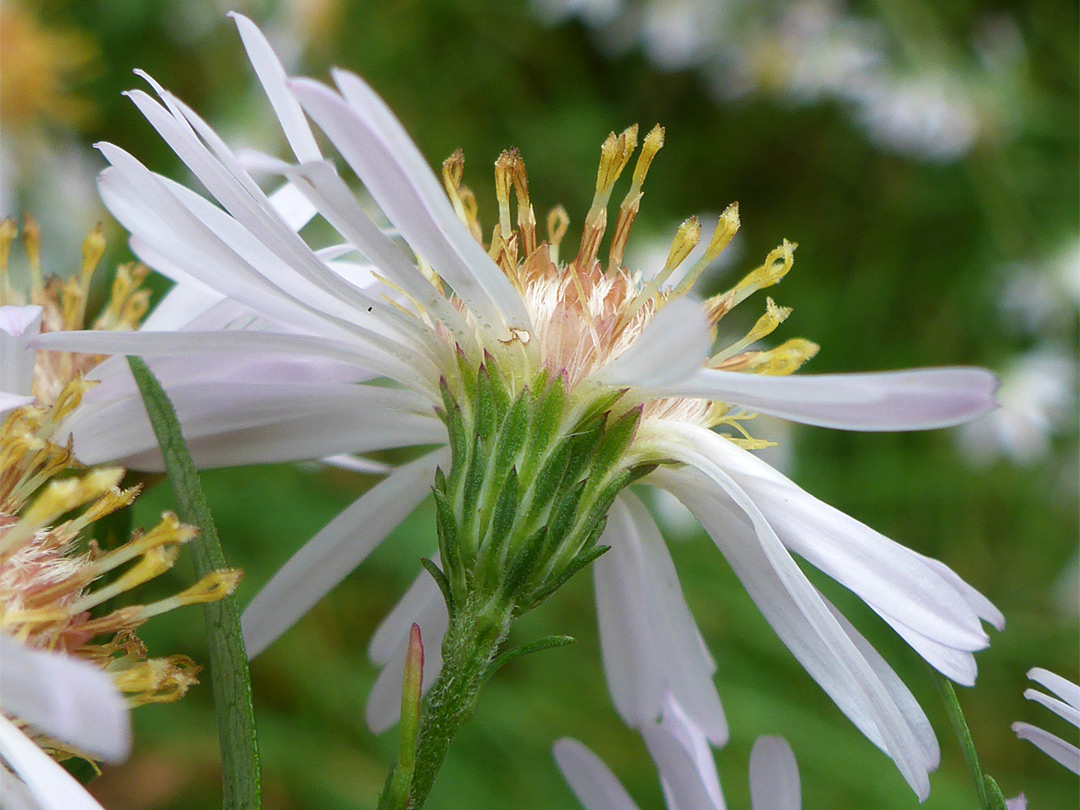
(532, 476)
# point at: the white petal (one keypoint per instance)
(292, 206)
(52, 786)
(774, 775)
(17, 326)
(384, 703)
(395, 625)
(1062, 752)
(794, 609)
(16, 794)
(336, 203)
(685, 761)
(920, 399)
(592, 782)
(66, 698)
(242, 423)
(898, 584)
(273, 78)
(671, 347)
(335, 551)
(1066, 690)
(655, 646)
(913, 714)
(392, 169)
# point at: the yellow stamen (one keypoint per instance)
(614, 155)
(214, 586)
(654, 142)
(726, 228)
(154, 563)
(60, 497)
(766, 325)
(686, 239)
(526, 215)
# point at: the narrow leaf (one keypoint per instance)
(229, 674)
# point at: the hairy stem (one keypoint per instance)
(471, 643)
(967, 745)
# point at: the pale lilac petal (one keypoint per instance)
(247, 423)
(920, 399)
(17, 326)
(384, 702)
(357, 464)
(1064, 689)
(793, 607)
(1058, 707)
(670, 348)
(395, 625)
(71, 700)
(684, 760)
(17, 795)
(145, 343)
(898, 584)
(591, 780)
(274, 80)
(51, 786)
(1017, 803)
(913, 713)
(774, 776)
(335, 551)
(392, 169)
(1064, 753)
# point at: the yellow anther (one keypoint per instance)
(654, 142)
(686, 239)
(58, 498)
(526, 215)
(453, 170)
(504, 181)
(158, 680)
(726, 228)
(786, 358)
(776, 266)
(214, 586)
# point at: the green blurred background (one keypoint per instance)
(907, 257)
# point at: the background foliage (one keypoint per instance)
(903, 261)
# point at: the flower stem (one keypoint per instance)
(471, 643)
(987, 801)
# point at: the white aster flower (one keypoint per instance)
(290, 350)
(687, 771)
(1066, 706)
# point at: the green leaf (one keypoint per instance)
(229, 674)
(546, 643)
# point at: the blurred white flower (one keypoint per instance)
(1037, 401)
(1066, 706)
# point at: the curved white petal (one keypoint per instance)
(395, 625)
(9, 402)
(670, 348)
(919, 399)
(69, 699)
(897, 583)
(1058, 707)
(335, 551)
(774, 775)
(246, 423)
(51, 786)
(274, 80)
(649, 640)
(591, 780)
(1064, 689)
(793, 607)
(1064, 753)
(371, 140)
